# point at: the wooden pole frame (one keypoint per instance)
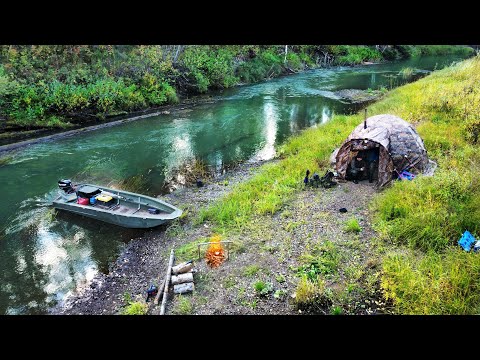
(167, 282)
(210, 242)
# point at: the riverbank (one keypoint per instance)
(392, 252)
(263, 252)
(62, 87)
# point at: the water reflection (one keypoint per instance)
(270, 115)
(327, 114)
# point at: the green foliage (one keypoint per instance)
(445, 50)
(280, 278)
(472, 131)
(311, 295)
(210, 66)
(135, 308)
(183, 306)
(229, 282)
(189, 251)
(322, 259)
(294, 61)
(336, 310)
(266, 64)
(352, 225)
(251, 270)
(429, 214)
(280, 294)
(347, 55)
(262, 288)
(433, 283)
(57, 85)
(407, 51)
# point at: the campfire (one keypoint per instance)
(215, 254)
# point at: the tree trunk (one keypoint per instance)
(182, 278)
(183, 288)
(286, 51)
(182, 268)
(179, 50)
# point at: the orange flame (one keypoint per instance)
(215, 254)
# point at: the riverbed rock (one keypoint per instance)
(358, 96)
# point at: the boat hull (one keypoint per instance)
(142, 220)
(116, 219)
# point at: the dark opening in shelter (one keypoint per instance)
(387, 146)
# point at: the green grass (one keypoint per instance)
(352, 225)
(262, 288)
(433, 283)
(135, 308)
(251, 270)
(322, 259)
(311, 295)
(274, 184)
(336, 310)
(280, 294)
(229, 282)
(183, 306)
(189, 251)
(428, 215)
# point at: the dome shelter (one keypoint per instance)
(399, 147)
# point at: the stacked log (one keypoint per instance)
(183, 281)
(180, 276)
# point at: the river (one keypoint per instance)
(46, 255)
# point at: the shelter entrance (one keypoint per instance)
(389, 140)
(364, 162)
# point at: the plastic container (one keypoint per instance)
(476, 247)
(83, 201)
(467, 240)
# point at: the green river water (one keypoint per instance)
(45, 256)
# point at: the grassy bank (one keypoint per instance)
(46, 86)
(419, 222)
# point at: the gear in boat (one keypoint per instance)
(114, 206)
(88, 195)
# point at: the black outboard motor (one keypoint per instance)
(65, 185)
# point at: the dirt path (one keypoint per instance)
(269, 251)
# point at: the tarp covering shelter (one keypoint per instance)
(399, 147)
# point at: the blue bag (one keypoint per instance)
(405, 175)
(466, 240)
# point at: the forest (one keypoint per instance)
(64, 86)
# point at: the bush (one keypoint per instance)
(352, 225)
(310, 295)
(262, 288)
(210, 66)
(135, 308)
(348, 55)
(294, 61)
